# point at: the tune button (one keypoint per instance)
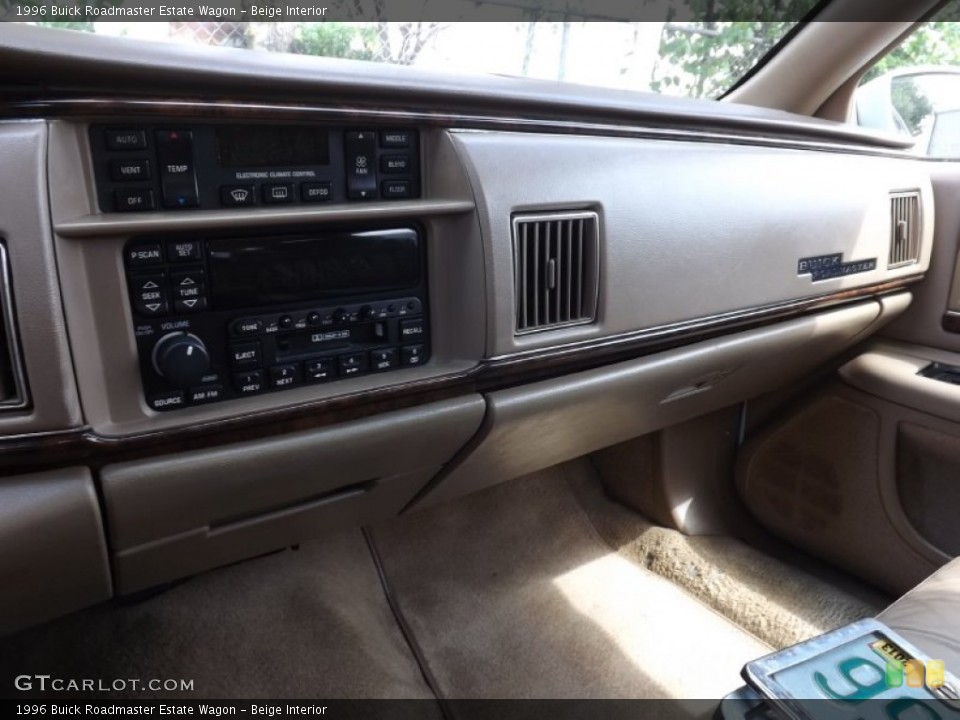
(189, 305)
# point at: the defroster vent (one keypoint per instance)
(556, 269)
(904, 229)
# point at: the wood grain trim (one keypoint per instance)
(770, 133)
(84, 446)
(100, 225)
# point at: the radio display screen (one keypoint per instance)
(251, 272)
(254, 146)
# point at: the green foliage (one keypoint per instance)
(936, 43)
(336, 39)
(703, 59)
(911, 103)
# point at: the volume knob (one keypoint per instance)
(181, 358)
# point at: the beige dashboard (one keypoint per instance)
(708, 265)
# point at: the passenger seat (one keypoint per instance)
(929, 616)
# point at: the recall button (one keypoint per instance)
(411, 330)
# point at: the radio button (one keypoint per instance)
(395, 138)
(126, 140)
(411, 330)
(396, 189)
(352, 364)
(248, 383)
(129, 170)
(184, 251)
(385, 359)
(282, 376)
(316, 192)
(245, 355)
(234, 195)
(412, 355)
(205, 394)
(246, 327)
(167, 400)
(319, 370)
(133, 200)
(395, 164)
(190, 305)
(277, 194)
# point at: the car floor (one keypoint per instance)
(536, 588)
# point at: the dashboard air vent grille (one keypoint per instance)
(904, 229)
(13, 390)
(556, 267)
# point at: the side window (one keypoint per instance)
(914, 91)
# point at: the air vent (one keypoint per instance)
(13, 391)
(556, 268)
(904, 229)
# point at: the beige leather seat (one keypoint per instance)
(929, 616)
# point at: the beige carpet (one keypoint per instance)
(776, 602)
(510, 593)
(307, 624)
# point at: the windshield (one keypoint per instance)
(695, 59)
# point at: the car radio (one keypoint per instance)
(179, 167)
(221, 317)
